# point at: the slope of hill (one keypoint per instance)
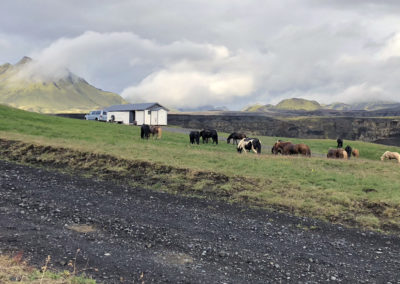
(68, 94)
(298, 104)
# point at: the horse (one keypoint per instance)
(209, 133)
(145, 131)
(156, 130)
(278, 147)
(235, 137)
(391, 156)
(355, 153)
(296, 149)
(248, 144)
(337, 154)
(194, 136)
(339, 143)
(348, 150)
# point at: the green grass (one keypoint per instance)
(363, 192)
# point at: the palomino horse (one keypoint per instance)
(391, 156)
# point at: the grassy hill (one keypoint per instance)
(298, 104)
(68, 94)
(362, 192)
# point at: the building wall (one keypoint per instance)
(162, 117)
(120, 116)
(140, 117)
(147, 117)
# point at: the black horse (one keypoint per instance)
(145, 131)
(194, 137)
(235, 137)
(348, 149)
(339, 143)
(205, 134)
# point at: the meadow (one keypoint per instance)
(362, 192)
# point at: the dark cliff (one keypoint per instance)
(381, 130)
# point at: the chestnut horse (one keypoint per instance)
(156, 130)
(288, 148)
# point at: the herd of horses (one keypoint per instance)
(246, 144)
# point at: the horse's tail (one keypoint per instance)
(159, 132)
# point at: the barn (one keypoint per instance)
(138, 114)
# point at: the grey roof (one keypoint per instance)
(142, 106)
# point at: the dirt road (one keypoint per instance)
(135, 235)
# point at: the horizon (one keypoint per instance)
(227, 53)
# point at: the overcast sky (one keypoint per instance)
(224, 52)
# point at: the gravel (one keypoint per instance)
(118, 233)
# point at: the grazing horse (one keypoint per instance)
(144, 131)
(235, 137)
(339, 143)
(348, 150)
(355, 153)
(248, 144)
(391, 156)
(156, 130)
(278, 147)
(288, 148)
(337, 154)
(209, 133)
(194, 136)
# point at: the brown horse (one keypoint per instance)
(355, 153)
(337, 154)
(155, 129)
(278, 147)
(288, 148)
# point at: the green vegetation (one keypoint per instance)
(298, 104)
(362, 192)
(16, 270)
(68, 94)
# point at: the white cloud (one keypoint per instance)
(188, 53)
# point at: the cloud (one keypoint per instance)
(231, 53)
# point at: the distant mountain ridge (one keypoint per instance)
(311, 105)
(67, 94)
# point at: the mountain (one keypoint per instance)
(298, 104)
(68, 93)
(307, 105)
(288, 104)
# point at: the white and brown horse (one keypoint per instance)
(391, 156)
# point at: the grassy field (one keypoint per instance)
(363, 192)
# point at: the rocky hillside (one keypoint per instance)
(68, 93)
(296, 104)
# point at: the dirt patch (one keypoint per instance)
(82, 228)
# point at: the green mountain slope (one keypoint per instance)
(298, 104)
(68, 94)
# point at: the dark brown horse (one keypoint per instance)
(156, 130)
(278, 147)
(235, 136)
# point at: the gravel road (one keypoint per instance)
(134, 235)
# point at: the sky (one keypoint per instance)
(190, 53)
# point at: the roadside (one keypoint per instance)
(127, 234)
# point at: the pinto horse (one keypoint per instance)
(205, 134)
(248, 144)
(156, 130)
(235, 136)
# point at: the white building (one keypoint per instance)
(139, 114)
